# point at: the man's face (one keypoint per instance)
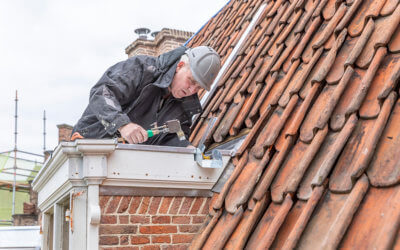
(183, 83)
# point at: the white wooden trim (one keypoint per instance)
(84, 165)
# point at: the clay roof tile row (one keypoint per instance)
(315, 90)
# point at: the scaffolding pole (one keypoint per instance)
(44, 131)
(15, 153)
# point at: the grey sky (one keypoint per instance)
(54, 51)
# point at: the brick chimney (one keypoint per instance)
(165, 40)
(64, 132)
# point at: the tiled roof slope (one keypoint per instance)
(316, 89)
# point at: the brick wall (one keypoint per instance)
(135, 222)
(165, 40)
(64, 132)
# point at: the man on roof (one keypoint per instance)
(142, 91)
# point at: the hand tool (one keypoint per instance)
(172, 126)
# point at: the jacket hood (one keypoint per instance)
(166, 66)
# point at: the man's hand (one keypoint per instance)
(133, 133)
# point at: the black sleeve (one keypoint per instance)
(116, 88)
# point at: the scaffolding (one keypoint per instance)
(18, 167)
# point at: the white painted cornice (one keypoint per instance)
(87, 162)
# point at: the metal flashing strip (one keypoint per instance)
(206, 98)
(166, 149)
(149, 191)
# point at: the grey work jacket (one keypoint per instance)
(131, 91)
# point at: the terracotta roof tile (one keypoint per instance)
(245, 110)
(300, 112)
(353, 97)
(243, 186)
(286, 53)
(338, 68)
(322, 108)
(377, 220)
(266, 179)
(361, 41)
(276, 91)
(288, 13)
(319, 8)
(332, 217)
(325, 159)
(269, 225)
(250, 137)
(270, 82)
(396, 245)
(275, 20)
(312, 88)
(297, 220)
(384, 81)
(238, 169)
(323, 70)
(295, 165)
(368, 8)
(359, 149)
(309, 9)
(272, 129)
(330, 9)
(275, 8)
(206, 229)
(389, 7)
(223, 229)
(330, 27)
(304, 40)
(385, 167)
(249, 220)
(309, 51)
(299, 79)
(384, 29)
(349, 14)
(223, 127)
(394, 44)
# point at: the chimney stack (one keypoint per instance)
(64, 132)
(142, 32)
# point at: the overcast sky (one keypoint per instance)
(53, 52)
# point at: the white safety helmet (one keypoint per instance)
(205, 64)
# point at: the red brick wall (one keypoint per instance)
(134, 222)
(64, 132)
